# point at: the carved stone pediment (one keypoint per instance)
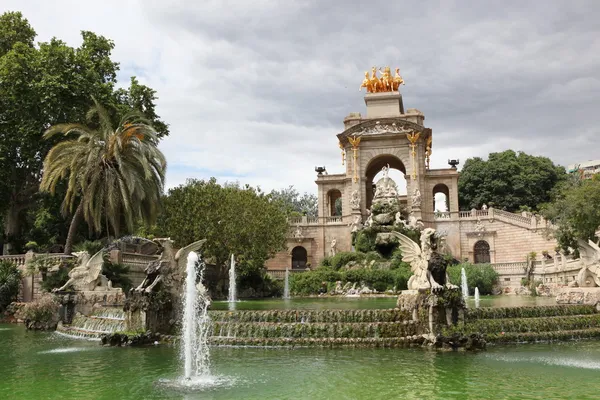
(384, 126)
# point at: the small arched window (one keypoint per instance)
(481, 252)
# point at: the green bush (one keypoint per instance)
(309, 283)
(91, 246)
(482, 276)
(10, 279)
(56, 279)
(365, 240)
(343, 258)
(117, 274)
(41, 313)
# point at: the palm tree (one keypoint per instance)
(112, 173)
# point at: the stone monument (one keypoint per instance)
(87, 287)
(433, 301)
(586, 288)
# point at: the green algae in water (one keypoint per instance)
(44, 365)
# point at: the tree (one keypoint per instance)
(293, 203)
(10, 279)
(508, 180)
(574, 212)
(239, 220)
(113, 174)
(43, 86)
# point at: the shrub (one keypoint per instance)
(310, 282)
(482, 276)
(40, 314)
(365, 240)
(56, 279)
(117, 274)
(91, 246)
(10, 279)
(343, 258)
(31, 245)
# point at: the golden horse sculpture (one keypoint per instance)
(385, 83)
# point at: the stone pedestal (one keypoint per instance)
(433, 311)
(83, 301)
(580, 295)
(385, 104)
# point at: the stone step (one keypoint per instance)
(312, 316)
(314, 330)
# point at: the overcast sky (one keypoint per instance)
(256, 90)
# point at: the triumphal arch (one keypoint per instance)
(390, 137)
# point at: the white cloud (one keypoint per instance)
(256, 91)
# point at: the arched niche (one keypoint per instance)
(374, 168)
(441, 198)
(299, 257)
(334, 199)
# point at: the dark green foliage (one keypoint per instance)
(40, 86)
(341, 259)
(10, 279)
(575, 211)
(511, 180)
(309, 283)
(482, 276)
(294, 204)
(365, 240)
(91, 246)
(117, 273)
(239, 220)
(57, 279)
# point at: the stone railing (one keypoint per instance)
(528, 221)
(303, 220)
(18, 259)
(333, 220)
(137, 261)
(280, 273)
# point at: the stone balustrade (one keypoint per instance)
(280, 273)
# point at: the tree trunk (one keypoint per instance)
(11, 228)
(73, 228)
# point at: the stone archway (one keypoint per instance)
(374, 167)
(334, 199)
(441, 193)
(481, 252)
(299, 257)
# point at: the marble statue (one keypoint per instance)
(298, 233)
(428, 266)
(355, 200)
(369, 221)
(333, 247)
(385, 187)
(412, 223)
(479, 228)
(416, 198)
(484, 207)
(87, 275)
(356, 224)
(589, 275)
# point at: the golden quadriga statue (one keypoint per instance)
(385, 83)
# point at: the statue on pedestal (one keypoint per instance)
(428, 267)
(87, 275)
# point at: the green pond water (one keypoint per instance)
(344, 303)
(36, 365)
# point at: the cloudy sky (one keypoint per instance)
(256, 91)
